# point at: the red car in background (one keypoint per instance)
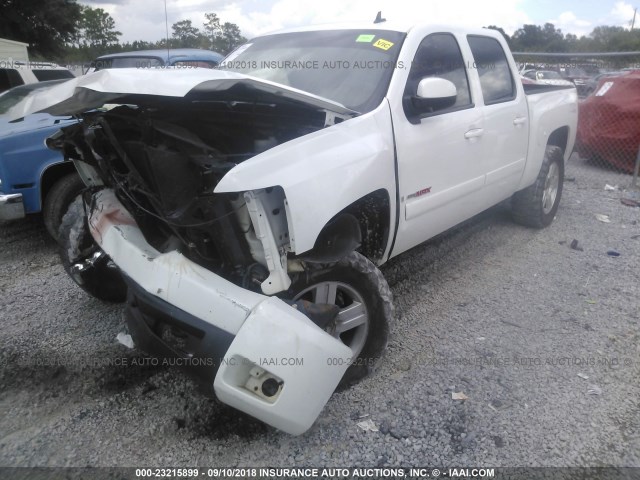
(609, 122)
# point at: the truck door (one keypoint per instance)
(439, 152)
(506, 118)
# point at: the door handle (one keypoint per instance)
(519, 121)
(474, 133)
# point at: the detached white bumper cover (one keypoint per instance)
(272, 339)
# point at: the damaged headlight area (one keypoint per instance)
(164, 163)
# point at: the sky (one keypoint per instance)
(145, 20)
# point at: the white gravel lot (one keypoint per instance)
(512, 317)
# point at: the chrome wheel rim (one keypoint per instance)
(351, 326)
(551, 185)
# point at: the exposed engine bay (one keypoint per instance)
(164, 161)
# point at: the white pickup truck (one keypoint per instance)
(244, 212)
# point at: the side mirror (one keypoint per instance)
(434, 93)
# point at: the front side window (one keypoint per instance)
(493, 69)
(439, 56)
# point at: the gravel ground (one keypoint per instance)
(512, 317)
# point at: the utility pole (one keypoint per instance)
(166, 25)
(633, 22)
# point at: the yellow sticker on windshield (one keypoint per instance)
(383, 44)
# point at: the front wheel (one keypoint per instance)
(58, 200)
(536, 205)
(357, 287)
(83, 259)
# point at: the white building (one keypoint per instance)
(10, 49)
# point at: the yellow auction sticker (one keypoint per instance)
(383, 44)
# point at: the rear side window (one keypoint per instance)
(9, 77)
(44, 75)
(493, 69)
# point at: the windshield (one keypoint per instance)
(128, 62)
(11, 97)
(351, 67)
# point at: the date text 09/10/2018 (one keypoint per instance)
(341, 473)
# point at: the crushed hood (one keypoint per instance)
(143, 87)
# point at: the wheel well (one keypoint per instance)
(364, 222)
(51, 175)
(559, 138)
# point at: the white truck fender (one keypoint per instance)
(548, 112)
(323, 172)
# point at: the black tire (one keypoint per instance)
(536, 206)
(102, 280)
(354, 276)
(57, 202)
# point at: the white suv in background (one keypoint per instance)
(15, 73)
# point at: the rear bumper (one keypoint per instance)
(11, 206)
(258, 353)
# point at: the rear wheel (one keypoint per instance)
(83, 259)
(57, 202)
(536, 206)
(357, 287)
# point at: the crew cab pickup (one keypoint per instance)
(244, 211)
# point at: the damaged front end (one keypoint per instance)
(199, 266)
(261, 355)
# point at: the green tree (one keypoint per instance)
(46, 25)
(504, 34)
(98, 29)
(212, 29)
(221, 37)
(527, 38)
(185, 34)
(230, 38)
(138, 45)
(532, 38)
(571, 42)
(610, 38)
(553, 38)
